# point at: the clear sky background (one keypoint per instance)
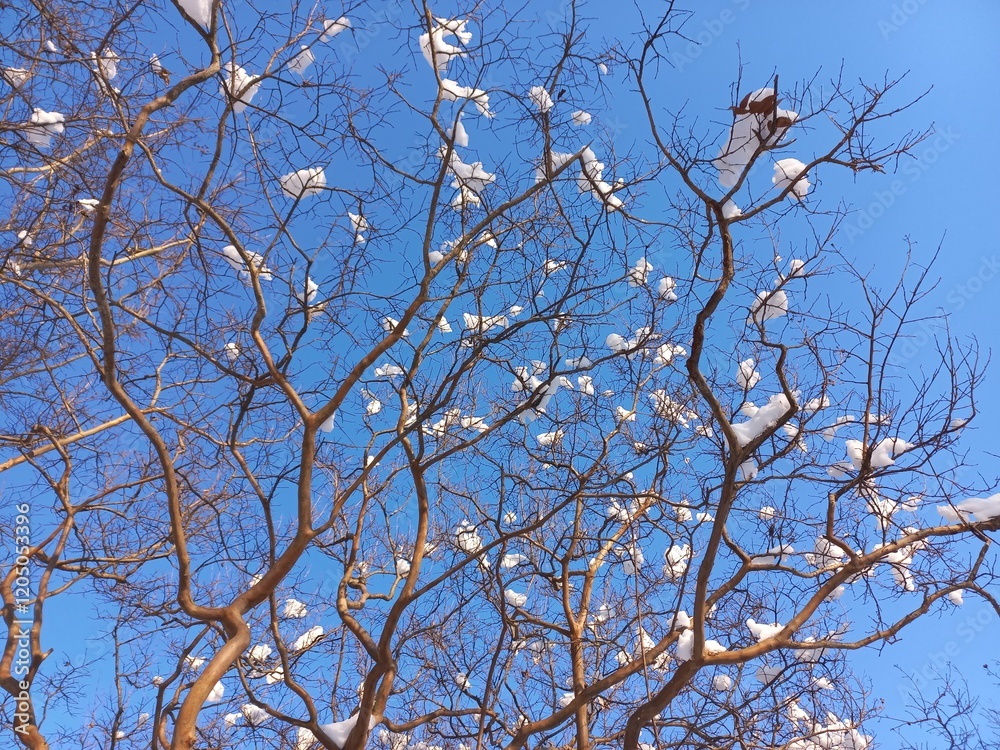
(946, 196)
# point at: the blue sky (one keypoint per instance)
(943, 197)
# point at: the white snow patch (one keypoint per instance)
(540, 98)
(42, 126)
(769, 305)
(200, 11)
(451, 91)
(239, 86)
(791, 172)
(332, 28)
(304, 182)
(437, 51)
(983, 508)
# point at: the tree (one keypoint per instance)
(362, 405)
(947, 711)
